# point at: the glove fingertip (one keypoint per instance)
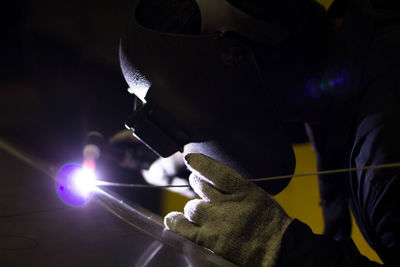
(199, 163)
(178, 223)
(193, 158)
(171, 218)
(189, 158)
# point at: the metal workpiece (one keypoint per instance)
(38, 229)
(152, 225)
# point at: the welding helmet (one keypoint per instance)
(205, 92)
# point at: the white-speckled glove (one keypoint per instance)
(233, 218)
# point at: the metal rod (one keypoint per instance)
(272, 178)
(105, 183)
(379, 166)
(51, 170)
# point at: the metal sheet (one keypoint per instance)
(38, 229)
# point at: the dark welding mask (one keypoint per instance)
(205, 92)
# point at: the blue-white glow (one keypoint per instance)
(76, 184)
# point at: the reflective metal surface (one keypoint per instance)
(38, 229)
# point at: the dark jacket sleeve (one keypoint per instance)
(301, 247)
(375, 193)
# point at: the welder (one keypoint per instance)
(218, 79)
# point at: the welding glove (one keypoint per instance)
(169, 171)
(234, 218)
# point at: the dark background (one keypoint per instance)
(60, 78)
(59, 74)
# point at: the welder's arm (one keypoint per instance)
(301, 247)
(375, 195)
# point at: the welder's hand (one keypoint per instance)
(234, 218)
(169, 171)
